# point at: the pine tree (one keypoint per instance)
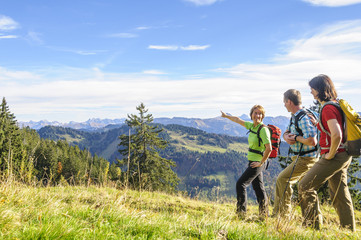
(143, 167)
(12, 153)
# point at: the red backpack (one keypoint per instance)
(275, 139)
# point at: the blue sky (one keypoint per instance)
(80, 59)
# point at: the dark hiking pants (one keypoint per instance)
(254, 176)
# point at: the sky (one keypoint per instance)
(73, 60)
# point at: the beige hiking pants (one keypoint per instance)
(335, 172)
(283, 192)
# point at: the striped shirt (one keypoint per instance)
(307, 129)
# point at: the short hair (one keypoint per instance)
(293, 95)
(324, 86)
(259, 107)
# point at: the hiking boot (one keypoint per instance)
(274, 215)
(262, 217)
(316, 223)
(241, 215)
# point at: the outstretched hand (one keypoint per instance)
(223, 114)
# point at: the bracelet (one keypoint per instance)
(296, 137)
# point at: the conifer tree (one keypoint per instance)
(12, 153)
(143, 167)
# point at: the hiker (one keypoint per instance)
(333, 164)
(258, 154)
(301, 135)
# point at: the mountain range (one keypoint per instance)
(216, 125)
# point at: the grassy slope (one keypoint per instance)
(182, 142)
(106, 213)
(227, 179)
(193, 145)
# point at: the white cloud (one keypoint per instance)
(334, 50)
(163, 47)
(35, 37)
(195, 47)
(154, 72)
(333, 3)
(125, 93)
(174, 47)
(8, 36)
(9, 76)
(203, 2)
(143, 28)
(85, 53)
(123, 35)
(7, 23)
(341, 39)
(76, 51)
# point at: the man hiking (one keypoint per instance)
(301, 135)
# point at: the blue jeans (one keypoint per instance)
(254, 176)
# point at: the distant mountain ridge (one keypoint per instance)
(89, 125)
(216, 125)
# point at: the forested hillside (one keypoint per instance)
(27, 158)
(208, 164)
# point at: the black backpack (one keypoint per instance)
(303, 113)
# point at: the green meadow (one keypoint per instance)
(76, 212)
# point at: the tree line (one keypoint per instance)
(26, 157)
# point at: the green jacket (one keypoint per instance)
(253, 140)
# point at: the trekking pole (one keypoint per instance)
(293, 169)
(289, 178)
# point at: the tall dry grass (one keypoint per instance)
(79, 212)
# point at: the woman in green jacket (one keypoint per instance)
(258, 154)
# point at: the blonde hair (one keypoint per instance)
(259, 107)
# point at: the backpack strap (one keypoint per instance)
(255, 151)
(299, 116)
(257, 133)
(305, 152)
(259, 140)
(297, 119)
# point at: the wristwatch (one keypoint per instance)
(296, 137)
